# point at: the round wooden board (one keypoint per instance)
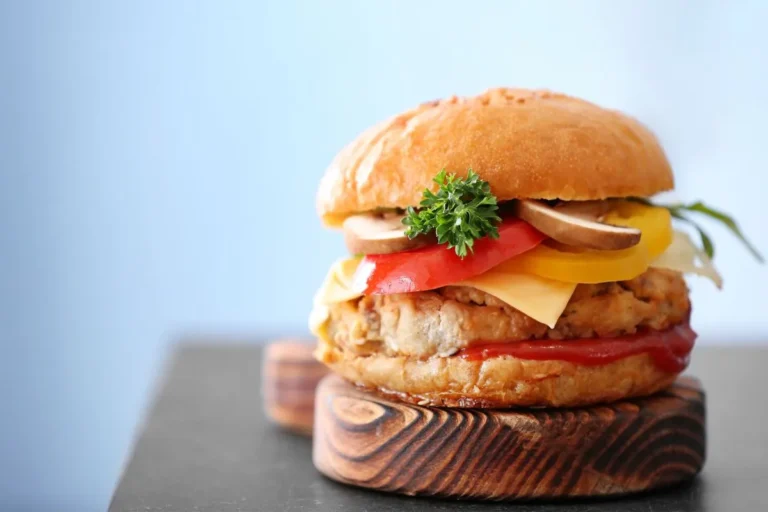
(290, 375)
(365, 440)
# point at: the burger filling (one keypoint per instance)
(443, 321)
(546, 282)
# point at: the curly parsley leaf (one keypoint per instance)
(462, 211)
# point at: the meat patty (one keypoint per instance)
(442, 321)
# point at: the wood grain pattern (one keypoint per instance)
(365, 440)
(290, 377)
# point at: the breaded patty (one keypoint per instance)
(443, 321)
(503, 381)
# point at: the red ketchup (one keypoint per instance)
(670, 349)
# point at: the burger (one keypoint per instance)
(504, 251)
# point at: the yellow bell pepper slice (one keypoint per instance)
(603, 266)
(581, 267)
(654, 222)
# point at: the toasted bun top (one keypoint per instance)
(526, 144)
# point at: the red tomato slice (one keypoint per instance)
(435, 266)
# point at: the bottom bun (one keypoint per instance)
(502, 381)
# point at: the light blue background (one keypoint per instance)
(158, 163)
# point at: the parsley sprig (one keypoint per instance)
(462, 211)
(682, 212)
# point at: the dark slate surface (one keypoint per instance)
(206, 446)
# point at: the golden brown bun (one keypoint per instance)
(503, 381)
(526, 144)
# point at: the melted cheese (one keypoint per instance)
(683, 256)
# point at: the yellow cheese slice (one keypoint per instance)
(542, 299)
(683, 256)
(337, 287)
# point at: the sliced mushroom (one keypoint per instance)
(379, 233)
(590, 210)
(579, 227)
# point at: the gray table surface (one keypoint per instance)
(207, 446)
